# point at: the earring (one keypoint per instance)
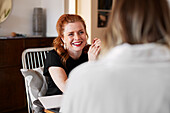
(65, 46)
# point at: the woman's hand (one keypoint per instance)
(94, 49)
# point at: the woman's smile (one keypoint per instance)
(77, 44)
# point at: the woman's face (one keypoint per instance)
(75, 37)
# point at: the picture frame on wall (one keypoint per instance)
(104, 8)
(102, 18)
(105, 4)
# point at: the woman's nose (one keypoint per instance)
(76, 36)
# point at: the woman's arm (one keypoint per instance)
(59, 77)
(94, 49)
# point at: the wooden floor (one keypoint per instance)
(24, 110)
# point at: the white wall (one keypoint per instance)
(88, 10)
(54, 9)
(20, 19)
(84, 9)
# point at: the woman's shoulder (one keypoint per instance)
(53, 59)
(53, 53)
(91, 66)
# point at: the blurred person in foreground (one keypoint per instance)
(133, 73)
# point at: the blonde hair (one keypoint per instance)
(138, 22)
(60, 26)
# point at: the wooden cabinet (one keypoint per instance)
(12, 85)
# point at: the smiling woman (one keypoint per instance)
(5, 9)
(71, 50)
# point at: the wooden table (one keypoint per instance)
(51, 110)
(48, 111)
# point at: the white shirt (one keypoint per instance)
(129, 79)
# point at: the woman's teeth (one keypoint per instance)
(77, 43)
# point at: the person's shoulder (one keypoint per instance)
(86, 69)
(53, 52)
(86, 73)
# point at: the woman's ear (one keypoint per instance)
(87, 36)
(62, 38)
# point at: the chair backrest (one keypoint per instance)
(33, 58)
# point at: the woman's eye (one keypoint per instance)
(81, 32)
(70, 34)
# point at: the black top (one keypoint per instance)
(53, 59)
